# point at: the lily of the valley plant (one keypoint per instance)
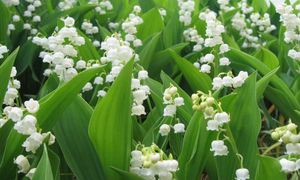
(149, 89)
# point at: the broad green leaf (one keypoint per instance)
(260, 6)
(146, 5)
(88, 50)
(147, 52)
(172, 32)
(162, 59)
(5, 70)
(55, 164)
(269, 168)
(51, 106)
(110, 127)
(27, 54)
(196, 79)
(73, 124)
(152, 24)
(5, 19)
(43, 170)
(196, 145)
(262, 84)
(267, 57)
(79, 154)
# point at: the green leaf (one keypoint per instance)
(43, 169)
(262, 84)
(269, 168)
(5, 19)
(53, 105)
(196, 79)
(196, 145)
(5, 70)
(27, 54)
(268, 58)
(152, 24)
(80, 154)
(110, 126)
(260, 6)
(147, 52)
(87, 51)
(172, 32)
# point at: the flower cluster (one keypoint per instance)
(186, 10)
(229, 80)
(103, 6)
(26, 124)
(11, 2)
(212, 110)
(205, 62)
(289, 15)
(89, 28)
(225, 5)
(214, 28)
(129, 26)
(191, 34)
(60, 50)
(12, 90)
(291, 138)
(172, 100)
(165, 129)
(31, 18)
(118, 53)
(151, 162)
(249, 24)
(66, 4)
(140, 93)
(3, 50)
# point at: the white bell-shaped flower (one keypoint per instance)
(287, 166)
(242, 174)
(22, 163)
(26, 126)
(219, 148)
(32, 106)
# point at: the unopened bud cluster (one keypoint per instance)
(291, 138)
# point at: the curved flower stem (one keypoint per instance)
(271, 148)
